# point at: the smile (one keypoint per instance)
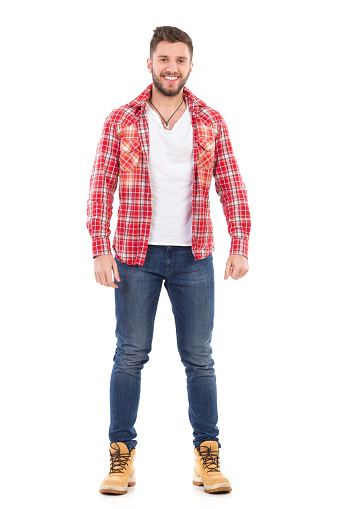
(171, 78)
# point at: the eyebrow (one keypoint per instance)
(161, 56)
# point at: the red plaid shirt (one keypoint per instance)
(122, 155)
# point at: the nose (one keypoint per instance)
(172, 68)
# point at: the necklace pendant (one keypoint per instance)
(166, 125)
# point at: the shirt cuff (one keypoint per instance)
(239, 246)
(101, 247)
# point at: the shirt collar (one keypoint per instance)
(194, 104)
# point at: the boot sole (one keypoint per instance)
(211, 488)
(119, 490)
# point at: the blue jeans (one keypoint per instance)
(190, 287)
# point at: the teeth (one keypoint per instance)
(172, 78)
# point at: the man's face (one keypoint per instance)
(170, 59)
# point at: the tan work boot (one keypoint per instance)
(206, 468)
(122, 471)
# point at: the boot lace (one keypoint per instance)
(210, 459)
(118, 461)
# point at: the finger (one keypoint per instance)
(98, 278)
(243, 272)
(227, 270)
(240, 272)
(116, 273)
(105, 277)
(235, 273)
(110, 281)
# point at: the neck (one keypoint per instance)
(164, 102)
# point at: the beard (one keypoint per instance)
(172, 90)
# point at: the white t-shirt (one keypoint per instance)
(171, 178)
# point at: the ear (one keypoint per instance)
(149, 65)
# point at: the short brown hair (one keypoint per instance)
(170, 34)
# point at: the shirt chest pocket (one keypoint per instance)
(129, 154)
(206, 150)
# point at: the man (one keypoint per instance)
(163, 148)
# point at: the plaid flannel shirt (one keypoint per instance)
(122, 155)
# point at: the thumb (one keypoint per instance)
(228, 268)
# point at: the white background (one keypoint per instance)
(270, 68)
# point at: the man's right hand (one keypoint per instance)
(103, 266)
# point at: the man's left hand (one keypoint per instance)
(236, 266)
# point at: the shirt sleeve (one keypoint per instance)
(103, 183)
(232, 192)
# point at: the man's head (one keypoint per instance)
(171, 53)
